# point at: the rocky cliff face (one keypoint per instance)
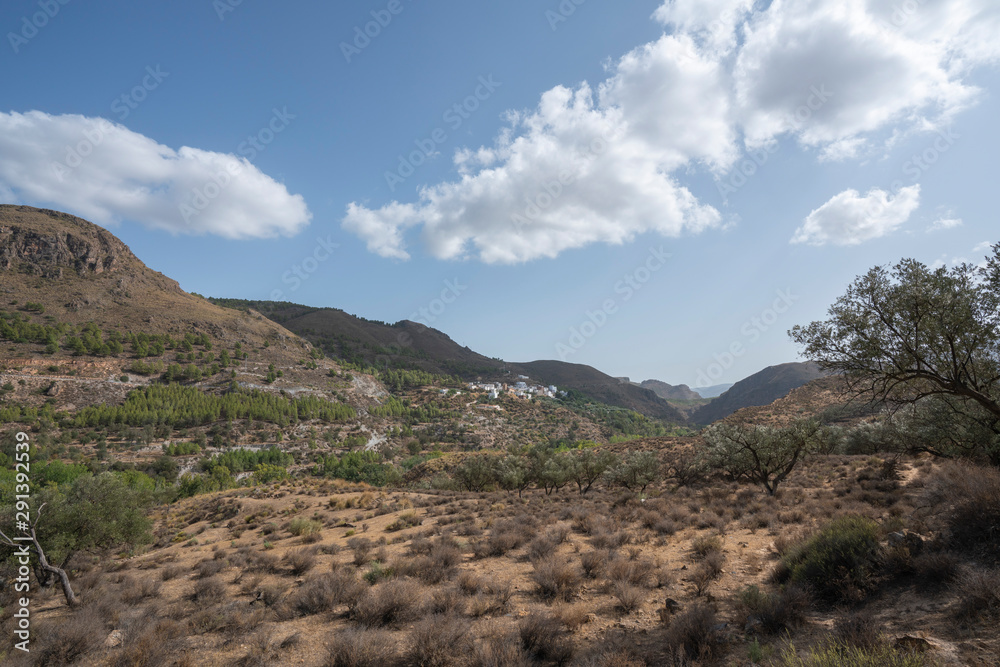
(49, 251)
(57, 246)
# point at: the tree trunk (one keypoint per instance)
(58, 571)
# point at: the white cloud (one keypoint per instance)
(579, 169)
(839, 77)
(849, 218)
(107, 173)
(944, 223)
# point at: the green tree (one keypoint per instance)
(910, 333)
(636, 471)
(91, 514)
(762, 454)
(588, 465)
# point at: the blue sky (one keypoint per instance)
(659, 190)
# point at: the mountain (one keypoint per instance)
(600, 387)
(761, 388)
(411, 345)
(669, 392)
(76, 272)
(713, 391)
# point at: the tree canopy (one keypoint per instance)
(912, 332)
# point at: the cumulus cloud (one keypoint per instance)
(107, 173)
(944, 223)
(849, 218)
(840, 78)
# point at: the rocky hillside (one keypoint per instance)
(761, 388)
(76, 272)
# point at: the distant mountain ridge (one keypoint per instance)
(761, 388)
(713, 390)
(680, 392)
(407, 344)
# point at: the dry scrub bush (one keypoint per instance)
(978, 594)
(209, 568)
(135, 590)
(544, 638)
(300, 561)
(770, 613)
(555, 578)
(594, 563)
(693, 633)
(389, 604)
(629, 597)
(360, 647)
(208, 591)
(860, 628)
(440, 641)
(64, 642)
(322, 593)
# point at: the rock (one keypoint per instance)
(914, 543)
(114, 639)
(53, 390)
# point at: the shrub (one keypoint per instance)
(859, 629)
(301, 561)
(593, 563)
(629, 597)
(440, 641)
(841, 562)
(362, 548)
(693, 633)
(979, 593)
(543, 638)
(970, 498)
(208, 591)
(301, 527)
(356, 647)
(389, 603)
(65, 642)
(706, 544)
(555, 578)
(834, 654)
(134, 591)
(324, 592)
(633, 572)
(770, 613)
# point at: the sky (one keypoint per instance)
(658, 190)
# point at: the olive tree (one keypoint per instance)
(636, 471)
(765, 455)
(93, 513)
(909, 333)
